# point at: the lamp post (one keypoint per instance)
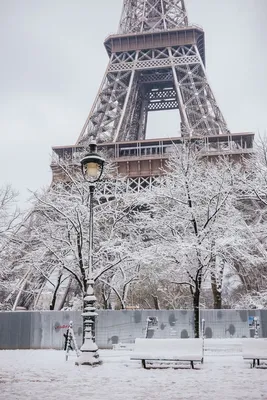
(92, 167)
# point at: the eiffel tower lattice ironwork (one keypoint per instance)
(156, 62)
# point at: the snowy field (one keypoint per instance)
(44, 374)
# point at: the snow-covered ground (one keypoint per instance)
(44, 374)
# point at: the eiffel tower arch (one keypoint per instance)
(156, 63)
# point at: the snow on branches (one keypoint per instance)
(58, 239)
(192, 222)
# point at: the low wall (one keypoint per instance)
(44, 329)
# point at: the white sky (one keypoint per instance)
(53, 60)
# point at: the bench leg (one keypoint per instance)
(192, 364)
(254, 363)
(143, 363)
(258, 362)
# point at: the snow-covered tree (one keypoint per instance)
(57, 242)
(192, 222)
(9, 212)
(116, 285)
(252, 271)
(9, 218)
(251, 300)
(202, 228)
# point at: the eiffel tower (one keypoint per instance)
(156, 63)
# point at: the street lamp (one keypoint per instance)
(92, 167)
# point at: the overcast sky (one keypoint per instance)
(53, 60)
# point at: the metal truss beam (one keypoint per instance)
(152, 15)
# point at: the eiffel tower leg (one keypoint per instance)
(108, 107)
(134, 123)
(126, 102)
(218, 116)
(198, 102)
(184, 120)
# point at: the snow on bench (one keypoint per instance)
(175, 350)
(123, 346)
(255, 350)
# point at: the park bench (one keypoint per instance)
(255, 350)
(168, 350)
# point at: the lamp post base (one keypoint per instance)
(89, 350)
(89, 353)
(89, 358)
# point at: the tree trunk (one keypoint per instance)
(196, 299)
(22, 287)
(65, 295)
(54, 298)
(122, 304)
(217, 294)
(156, 302)
(53, 302)
(106, 302)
